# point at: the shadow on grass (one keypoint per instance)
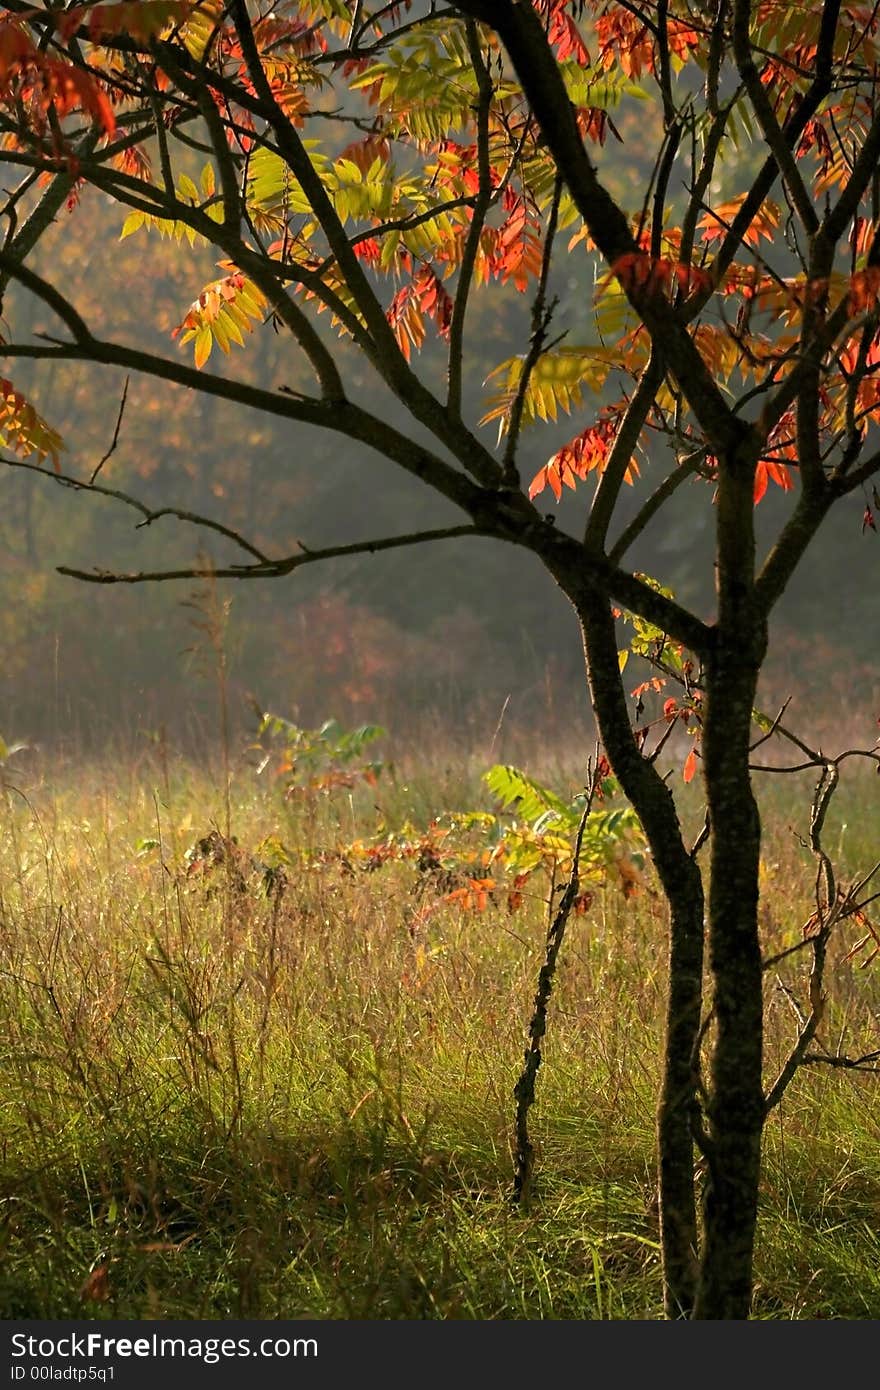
(358, 1223)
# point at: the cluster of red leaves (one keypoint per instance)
(326, 782)
(513, 251)
(715, 223)
(626, 41)
(781, 455)
(368, 250)
(586, 453)
(44, 84)
(673, 710)
(769, 470)
(563, 32)
(425, 297)
(868, 390)
(478, 893)
(594, 124)
(817, 141)
(643, 275)
(457, 168)
(364, 153)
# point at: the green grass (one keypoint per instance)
(231, 1105)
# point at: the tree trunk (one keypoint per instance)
(682, 884)
(736, 1107)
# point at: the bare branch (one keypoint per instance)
(115, 440)
(266, 569)
(150, 514)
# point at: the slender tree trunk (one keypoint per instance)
(682, 884)
(736, 1101)
(736, 1109)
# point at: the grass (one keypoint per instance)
(218, 1103)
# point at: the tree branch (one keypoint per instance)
(670, 484)
(265, 569)
(780, 145)
(342, 417)
(481, 206)
(622, 450)
(542, 313)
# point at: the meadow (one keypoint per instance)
(278, 1084)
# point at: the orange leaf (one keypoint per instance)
(690, 765)
(714, 224)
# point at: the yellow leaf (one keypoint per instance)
(187, 189)
(133, 223)
(204, 343)
(221, 337)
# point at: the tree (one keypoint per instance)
(384, 163)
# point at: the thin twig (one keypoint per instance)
(542, 313)
(115, 440)
(524, 1090)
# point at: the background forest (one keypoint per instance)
(375, 637)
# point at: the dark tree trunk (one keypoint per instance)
(736, 1110)
(682, 884)
(736, 1104)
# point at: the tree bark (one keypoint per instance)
(736, 1107)
(682, 884)
(736, 1103)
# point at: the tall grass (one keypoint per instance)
(219, 1102)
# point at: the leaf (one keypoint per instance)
(224, 308)
(23, 429)
(133, 222)
(203, 344)
(714, 224)
(512, 787)
(690, 766)
(557, 383)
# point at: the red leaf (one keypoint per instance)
(766, 470)
(690, 765)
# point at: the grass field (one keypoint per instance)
(218, 1102)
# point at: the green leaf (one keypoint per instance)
(512, 787)
(557, 383)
